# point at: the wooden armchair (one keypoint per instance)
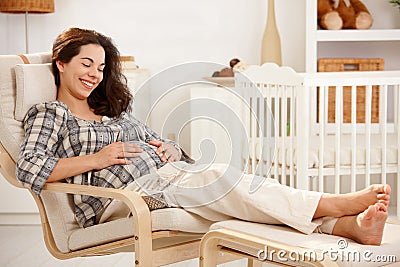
(158, 238)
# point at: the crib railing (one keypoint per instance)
(271, 119)
(302, 147)
(373, 136)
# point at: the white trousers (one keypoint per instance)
(218, 192)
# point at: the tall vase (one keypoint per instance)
(271, 42)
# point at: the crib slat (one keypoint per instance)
(383, 129)
(397, 103)
(323, 90)
(262, 140)
(290, 130)
(246, 120)
(252, 129)
(326, 110)
(353, 137)
(338, 123)
(368, 103)
(313, 115)
(283, 123)
(263, 134)
(268, 105)
(303, 121)
(258, 134)
(277, 121)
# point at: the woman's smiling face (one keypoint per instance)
(80, 76)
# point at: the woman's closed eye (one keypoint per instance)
(100, 69)
(89, 62)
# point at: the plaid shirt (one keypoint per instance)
(52, 132)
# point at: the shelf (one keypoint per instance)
(358, 35)
(331, 43)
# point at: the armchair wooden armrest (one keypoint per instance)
(140, 211)
(133, 200)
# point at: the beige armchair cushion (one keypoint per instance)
(35, 84)
(162, 219)
(11, 131)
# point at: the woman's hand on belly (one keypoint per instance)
(116, 153)
(166, 151)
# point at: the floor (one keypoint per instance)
(23, 246)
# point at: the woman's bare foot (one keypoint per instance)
(365, 228)
(339, 205)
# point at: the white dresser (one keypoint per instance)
(216, 127)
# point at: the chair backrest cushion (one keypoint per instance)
(35, 84)
(11, 131)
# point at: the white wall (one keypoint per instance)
(164, 33)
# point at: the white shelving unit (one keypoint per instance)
(315, 36)
(358, 35)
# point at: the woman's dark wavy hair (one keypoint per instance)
(112, 95)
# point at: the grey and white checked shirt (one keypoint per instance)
(52, 132)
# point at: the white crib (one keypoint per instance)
(302, 147)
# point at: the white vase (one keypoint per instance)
(271, 42)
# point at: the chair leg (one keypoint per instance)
(209, 251)
(208, 257)
(143, 252)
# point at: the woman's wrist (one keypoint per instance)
(91, 161)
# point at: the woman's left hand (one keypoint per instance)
(166, 151)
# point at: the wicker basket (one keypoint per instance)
(352, 64)
(31, 6)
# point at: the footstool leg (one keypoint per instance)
(209, 250)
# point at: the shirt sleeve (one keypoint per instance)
(36, 162)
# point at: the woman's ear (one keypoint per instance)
(60, 65)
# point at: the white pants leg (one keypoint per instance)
(229, 196)
(219, 193)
